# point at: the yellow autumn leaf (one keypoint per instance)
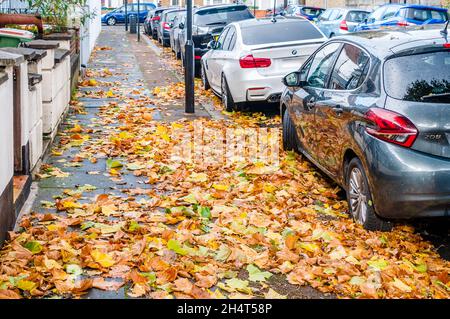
(26, 285)
(104, 259)
(221, 187)
(311, 247)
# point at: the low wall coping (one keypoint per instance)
(29, 54)
(58, 36)
(42, 44)
(10, 59)
(60, 54)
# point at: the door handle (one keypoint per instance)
(338, 109)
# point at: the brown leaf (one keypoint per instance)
(9, 294)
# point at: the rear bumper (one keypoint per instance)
(406, 183)
(251, 86)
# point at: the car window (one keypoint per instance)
(349, 69)
(326, 15)
(217, 16)
(424, 14)
(334, 15)
(390, 12)
(429, 83)
(376, 15)
(221, 40)
(356, 16)
(311, 11)
(233, 41)
(321, 65)
(289, 30)
(227, 41)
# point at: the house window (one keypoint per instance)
(175, 2)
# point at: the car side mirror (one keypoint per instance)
(293, 79)
(365, 20)
(181, 25)
(211, 45)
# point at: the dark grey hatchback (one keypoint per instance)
(372, 110)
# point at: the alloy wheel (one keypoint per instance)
(358, 195)
(111, 21)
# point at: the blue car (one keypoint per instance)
(118, 15)
(403, 15)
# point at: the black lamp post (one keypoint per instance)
(189, 62)
(126, 15)
(139, 20)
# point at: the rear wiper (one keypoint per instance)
(436, 97)
(214, 23)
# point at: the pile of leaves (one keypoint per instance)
(202, 229)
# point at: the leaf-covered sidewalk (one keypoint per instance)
(117, 212)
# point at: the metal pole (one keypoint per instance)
(126, 15)
(189, 62)
(254, 8)
(139, 21)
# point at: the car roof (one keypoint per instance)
(414, 6)
(348, 9)
(386, 42)
(243, 24)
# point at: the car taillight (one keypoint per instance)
(343, 25)
(403, 23)
(249, 61)
(391, 127)
(156, 18)
(447, 45)
(166, 26)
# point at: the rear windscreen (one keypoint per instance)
(225, 15)
(312, 11)
(171, 15)
(425, 14)
(280, 32)
(356, 16)
(421, 77)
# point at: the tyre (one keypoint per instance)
(227, 99)
(204, 77)
(111, 21)
(359, 198)
(154, 35)
(289, 133)
(178, 55)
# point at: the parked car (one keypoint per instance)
(250, 58)
(339, 21)
(166, 24)
(363, 112)
(403, 15)
(174, 34)
(151, 23)
(309, 13)
(118, 15)
(208, 23)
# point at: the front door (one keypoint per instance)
(333, 113)
(316, 73)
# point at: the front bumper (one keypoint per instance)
(407, 183)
